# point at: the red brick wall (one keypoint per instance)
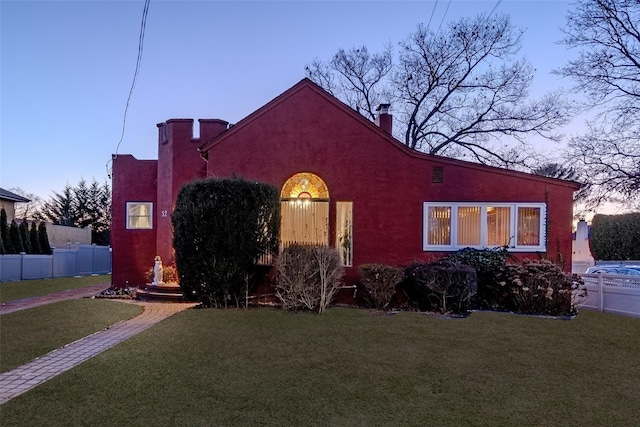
(386, 182)
(304, 130)
(132, 250)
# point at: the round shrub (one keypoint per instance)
(443, 286)
(379, 282)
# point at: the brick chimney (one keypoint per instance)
(384, 119)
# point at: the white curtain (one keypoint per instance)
(304, 221)
(498, 226)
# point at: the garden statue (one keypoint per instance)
(157, 271)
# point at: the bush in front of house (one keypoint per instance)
(490, 265)
(615, 237)
(308, 277)
(442, 286)
(542, 287)
(221, 227)
(379, 282)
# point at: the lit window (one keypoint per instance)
(344, 232)
(439, 225)
(139, 215)
(453, 226)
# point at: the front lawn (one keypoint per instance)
(31, 333)
(12, 291)
(351, 368)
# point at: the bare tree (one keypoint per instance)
(606, 72)
(460, 92)
(355, 75)
(29, 210)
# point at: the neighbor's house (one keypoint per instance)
(8, 201)
(344, 181)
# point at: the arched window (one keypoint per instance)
(304, 210)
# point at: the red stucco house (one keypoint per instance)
(345, 182)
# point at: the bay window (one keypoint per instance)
(453, 226)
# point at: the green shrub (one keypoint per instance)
(221, 228)
(308, 277)
(4, 233)
(541, 287)
(443, 286)
(44, 239)
(379, 282)
(615, 237)
(24, 235)
(490, 265)
(16, 237)
(33, 237)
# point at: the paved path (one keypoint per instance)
(23, 304)
(34, 373)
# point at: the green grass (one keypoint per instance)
(12, 291)
(351, 368)
(27, 334)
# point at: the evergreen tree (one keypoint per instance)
(82, 206)
(33, 238)
(24, 235)
(61, 209)
(4, 233)
(2, 250)
(15, 237)
(44, 239)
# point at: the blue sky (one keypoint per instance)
(67, 67)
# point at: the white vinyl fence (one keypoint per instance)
(610, 293)
(81, 261)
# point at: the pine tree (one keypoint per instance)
(33, 238)
(24, 235)
(15, 237)
(2, 250)
(4, 232)
(44, 239)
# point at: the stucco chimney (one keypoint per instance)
(210, 128)
(384, 119)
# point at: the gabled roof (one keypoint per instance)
(12, 197)
(306, 83)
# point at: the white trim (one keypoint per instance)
(513, 219)
(127, 215)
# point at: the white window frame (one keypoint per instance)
(128, 215)
(513, 226)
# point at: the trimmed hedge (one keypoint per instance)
(379, 282)
(221, 228)
(442, 286)
(491, 269)
(615, 237)
(542, 287)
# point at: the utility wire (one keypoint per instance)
(432, 12)
(494, 8)
(443, 16)
(143, 25)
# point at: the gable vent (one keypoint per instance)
(437, 175)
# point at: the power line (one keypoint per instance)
(143, 25)
(432, 12)
(494, 8)
(443, 16)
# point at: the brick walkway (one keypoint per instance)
(34, 373)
